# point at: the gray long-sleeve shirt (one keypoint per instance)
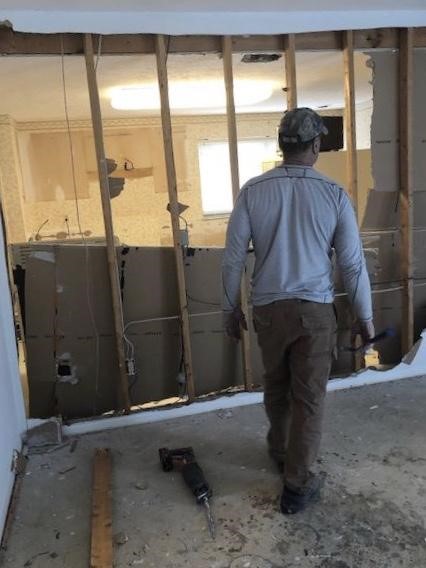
(294, 217)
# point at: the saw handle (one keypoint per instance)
(194, 478)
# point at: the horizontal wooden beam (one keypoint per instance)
(18, 43)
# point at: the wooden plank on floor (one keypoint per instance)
(350, 119)
(290, 71)
(406, 182)
(101, 553)
(162, 53)
(235, 179)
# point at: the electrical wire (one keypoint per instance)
(207, 303)
(185, 221)
(77, 209)
(131, 347)
(40, 228)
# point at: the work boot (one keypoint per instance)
(294, 500)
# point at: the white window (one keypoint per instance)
(215, 173)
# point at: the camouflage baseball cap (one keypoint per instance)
(301, 125)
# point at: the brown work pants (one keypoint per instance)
(297, 339)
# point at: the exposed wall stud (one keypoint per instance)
(161, 52)
(233, 158)
(406, 182)
(123, 392)
(350, 119)
(290, 71)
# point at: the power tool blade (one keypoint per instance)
(210, 518)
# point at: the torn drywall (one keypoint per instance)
(381, 221)
(70, 328)
(385, 120)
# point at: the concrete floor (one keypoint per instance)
(372, 514)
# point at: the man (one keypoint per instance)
(295, 216)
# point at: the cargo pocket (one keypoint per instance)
(320, 332)
(262, 319)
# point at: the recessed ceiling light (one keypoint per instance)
(191, 95)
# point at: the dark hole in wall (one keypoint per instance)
(64, 370)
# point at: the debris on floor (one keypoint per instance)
(44, 436)
(372, 513)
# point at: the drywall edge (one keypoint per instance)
(413, 365)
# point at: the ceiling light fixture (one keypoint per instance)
(191, 95)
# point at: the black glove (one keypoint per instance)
(234, 322)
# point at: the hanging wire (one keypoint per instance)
(80, 230)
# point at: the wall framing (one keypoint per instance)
(17, 43)
(24, 44)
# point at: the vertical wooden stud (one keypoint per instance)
(290, 71)
(406, 182)
(161, 53)
(101, 552)
(233, 158)
(350, 119)
(124, 401)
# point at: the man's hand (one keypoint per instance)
(367, 331)
(234, 321)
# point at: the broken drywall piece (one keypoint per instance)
(48, 433)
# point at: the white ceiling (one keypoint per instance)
(32, 87)
(209, 16)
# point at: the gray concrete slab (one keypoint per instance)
(372, 513)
